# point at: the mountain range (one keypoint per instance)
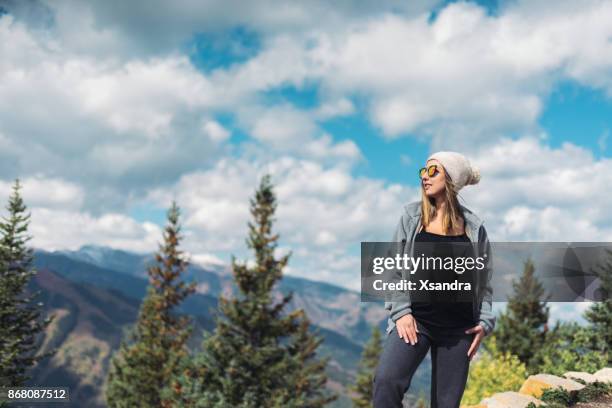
(95, 292)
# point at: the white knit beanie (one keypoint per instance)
(458, 168)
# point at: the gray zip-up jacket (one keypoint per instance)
(406, 231)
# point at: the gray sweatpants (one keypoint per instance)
(399, 361)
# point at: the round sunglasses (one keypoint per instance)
(431, 171)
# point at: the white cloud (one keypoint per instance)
(48, 192)
(153, 27)
(324, 148)
(54, 229)
(323, 212)
(141, 96)
(467, 75)
(112, 127)
(119, 126)
(282, 127)
(287, 130)
(339, 107)
(215, 131)
(530, 191)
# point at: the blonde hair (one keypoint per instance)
(453, 213)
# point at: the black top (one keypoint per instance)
(443, 309)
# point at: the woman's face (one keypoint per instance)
(433, 186)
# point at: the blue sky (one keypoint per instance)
(106, 117)
(580, 115)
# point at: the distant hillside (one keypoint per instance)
(330, 306)
(86, 329)
(95, 302)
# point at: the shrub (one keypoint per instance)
(493, 372)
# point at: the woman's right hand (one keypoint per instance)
(407, 328)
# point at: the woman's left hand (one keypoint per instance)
(479, 330)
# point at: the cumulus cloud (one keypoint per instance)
(286, 129)
(154, 27)
(121, 126)
(59, 221)
(112, 128)
(64, 229)
(467, 74)
(333, 108)
(531, 191)
(323, 212)
(45, 192)
(215, 131)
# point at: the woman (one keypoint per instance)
(452, 333)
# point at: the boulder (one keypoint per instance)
(604, 375)
(536, 384)
(581, 375)
(509, 399)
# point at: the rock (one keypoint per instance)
(581, 375)
(509, 399)
(604, 375)
(536, 384)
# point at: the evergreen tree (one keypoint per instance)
(365, 374)
(572, 347)
(259, 355)
(600, 313)
(21, 318)
(144, 364)
(306, 379)
(522, 328)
